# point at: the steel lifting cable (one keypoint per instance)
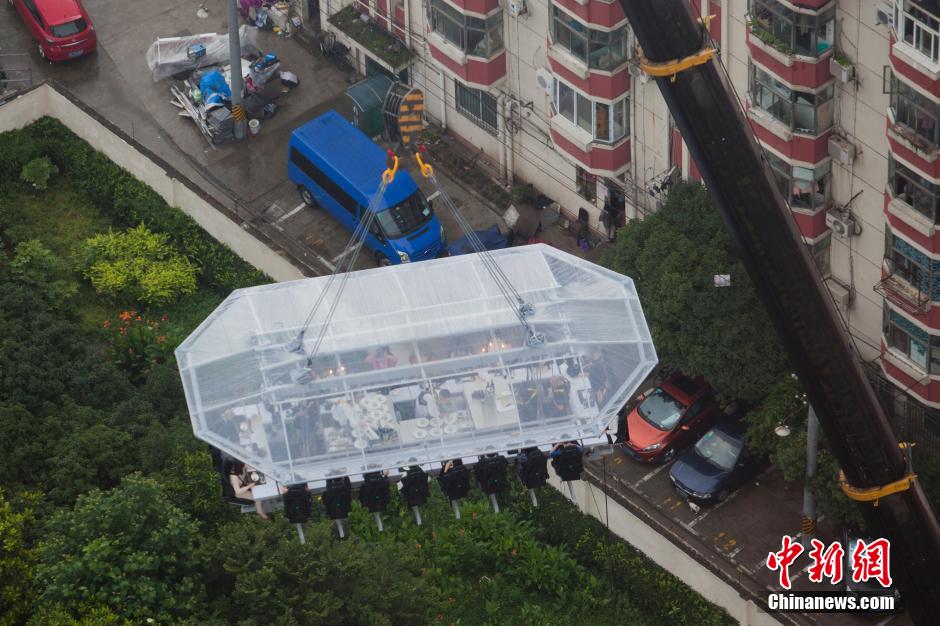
(520, 307)
(350, 255)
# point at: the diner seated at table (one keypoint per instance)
(240, 480)
(382, 358)
(560, 389)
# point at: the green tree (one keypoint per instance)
(17, 561)
(129, 550)
(38, 172)
(259, 572)
(35, 265)
(137, 264)
(721, 333)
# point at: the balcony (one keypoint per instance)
(375, 42)
(903, 295)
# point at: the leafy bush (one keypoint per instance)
(37, 172)
(137, 264)
(139, 342)
(127, 549)
(35, 265)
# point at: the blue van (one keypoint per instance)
(339, 169)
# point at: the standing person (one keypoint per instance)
(609, 219)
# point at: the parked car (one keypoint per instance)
(672, 416)
(716, 465)
(850, 537)
(62, 28)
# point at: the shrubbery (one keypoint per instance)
(137, 265)
(38, 172)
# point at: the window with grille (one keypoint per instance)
(477, 106)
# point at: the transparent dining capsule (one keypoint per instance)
(415, 364)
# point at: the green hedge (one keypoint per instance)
(653, 590)
(124, 199)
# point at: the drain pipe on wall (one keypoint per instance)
(440, 74)
(504, 122)
(511, 139)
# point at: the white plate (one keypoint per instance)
(436, 421)
(419, 434)
(360, 444)
(422, 422)
(450, 429)
(435, 432)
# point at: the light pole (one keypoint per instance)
(809, 500)
(235, 59)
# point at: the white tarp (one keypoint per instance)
(168, 55)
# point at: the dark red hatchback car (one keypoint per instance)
(62, 28)
(669, 418)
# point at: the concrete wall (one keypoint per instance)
(172, 187)
(591, 501)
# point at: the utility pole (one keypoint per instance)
(235, 58)
(809, 500)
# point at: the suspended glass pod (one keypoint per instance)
(418, 363)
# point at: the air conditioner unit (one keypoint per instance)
(517, 8)
(841, 150)
(842, 223)
(843, 295)
(884, 14)
(544, 80)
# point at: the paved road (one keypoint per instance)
(249, 177)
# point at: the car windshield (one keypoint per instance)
(661, 410)
(718, 449)
(69, 28)
(405, 217)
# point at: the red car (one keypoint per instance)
(62, 27)
(672, 416)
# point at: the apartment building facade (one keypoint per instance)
(844, 97)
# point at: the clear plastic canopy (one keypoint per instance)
(419, 363)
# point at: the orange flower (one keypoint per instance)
(138, 318)
(473, 515)
(161, 338)
(513, 553)
(107, 324)
(125, 315)
(123, 330)
(417, 546)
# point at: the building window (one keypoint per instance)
(605, 121)
(597, 49)
(475, 36)
(820, 252)
(910, 265)
(915, 111)
(911, 341)
(917, 28)
(801, 111)
(804, 188)
(478, 106)
(585, 184)
(918, 192)
(806, 34)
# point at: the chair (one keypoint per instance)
(228, 494)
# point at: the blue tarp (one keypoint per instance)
(491, 237)
(215, 91)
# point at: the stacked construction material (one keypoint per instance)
(221, 125)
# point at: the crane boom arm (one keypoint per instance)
(719, 138)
